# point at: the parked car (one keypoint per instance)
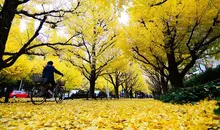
(80, 94)
(100, 94)
(18, 94)
(69, 94)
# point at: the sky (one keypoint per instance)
(124, 18)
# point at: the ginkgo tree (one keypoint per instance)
(172, 35)
(15, 72)
(116, 72)
(11, 10)
(97, 40)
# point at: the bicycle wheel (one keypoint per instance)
(38, 94)
(59, 94)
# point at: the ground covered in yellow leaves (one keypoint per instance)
(125, 114)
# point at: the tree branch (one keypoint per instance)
(100, 68)
(144, 59)
(159, 3)
(52, 13)
(11, 60)
(80, 67)
(55, 44)
(79, 56)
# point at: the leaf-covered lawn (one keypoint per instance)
(108, 114)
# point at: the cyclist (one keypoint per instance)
(48, 73)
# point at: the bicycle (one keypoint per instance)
(41, 91)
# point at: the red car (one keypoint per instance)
(18, 94)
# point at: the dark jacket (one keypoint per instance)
(48, 73)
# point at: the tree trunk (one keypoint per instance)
(131, 93)
(7, 15)
(116, 92)
(92, 81)
(126, 93)
(92, 88)
(7, 97)
(175, 77)
(93, 73)
(7, 93)
(176, 80)
(164, 84)
(116, 87)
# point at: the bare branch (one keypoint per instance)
(159, 3)
(158, 59)
(52, 13)
(144, 59)
(213, 53)
(87, 49)
(79, 56)
(82, 68)
(27, 53)
(104, 47)
(23, 1)
(55, 44)
(100, 69)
